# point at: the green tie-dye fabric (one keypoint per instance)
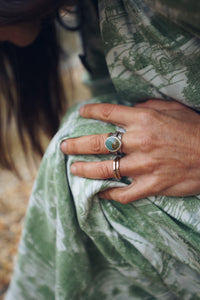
(75, 246)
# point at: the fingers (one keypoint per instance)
(130, 166)
(92, 144)
(123, 115)
(117, 114)
(93, 170)
(95, 144)
(161, 105)
(138, 189)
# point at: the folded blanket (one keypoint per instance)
(76, 246)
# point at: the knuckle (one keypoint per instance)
(156, 187)
(144, 116)
(148, 164)
(148, 116)
(146, 143)
(96, 143)
(123, 198)
(107, 110)
(151, 165)
(103, 171)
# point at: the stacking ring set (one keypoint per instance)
(114, 143)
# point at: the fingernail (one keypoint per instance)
(73, 169)
(63, 146)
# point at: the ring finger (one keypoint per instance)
(131, 165)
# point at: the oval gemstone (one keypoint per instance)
(112, 143)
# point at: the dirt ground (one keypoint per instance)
(14, 193)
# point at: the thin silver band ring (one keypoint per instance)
(116, 170)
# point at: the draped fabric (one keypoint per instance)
(76, 246)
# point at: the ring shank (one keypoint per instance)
(116, 170)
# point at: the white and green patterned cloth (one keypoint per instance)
(75, 246)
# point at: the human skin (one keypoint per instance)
(161, 143)
(21, 34)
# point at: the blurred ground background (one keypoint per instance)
(14, 193)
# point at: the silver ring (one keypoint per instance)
(114, 142)
(116, 170)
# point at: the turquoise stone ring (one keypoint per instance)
(113, 142)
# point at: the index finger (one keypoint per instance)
(113, 113)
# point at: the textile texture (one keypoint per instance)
(76, 246)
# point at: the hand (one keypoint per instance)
(161, 143)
